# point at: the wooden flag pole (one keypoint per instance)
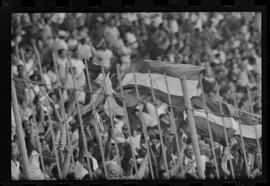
(255, 129)
(48, 108)
(128, 124)
(159, 128)
(241, 136)
(192, 127)
(144, 127)
(19, 132)
(224, 128)
(111, 121)
(95, 126)
(80, 120)
(172, 118)
(209, 129)
(33, 112)
(63, 114)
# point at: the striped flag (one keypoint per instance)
(232, 128)
(216, 125)
(157, 69)
(249, 134)
(212, 106)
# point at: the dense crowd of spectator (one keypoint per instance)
(228, 44)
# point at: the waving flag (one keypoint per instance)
(212, 106)
(216, 125)
(232, 128)
(249, 135)
(157, 70)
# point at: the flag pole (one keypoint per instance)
(192, 127)
(80, 120)
(143, 126)
(111, 121)
(48, 108)
(224, 128)
(159, 128)
(19, 132)
(62, 107)
(209, 129)
(255, 129)
(128, 124)
(172, 118)
(241, 135)
(96, 128)
(34, 115)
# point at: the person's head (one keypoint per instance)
(62, 53)
(168, 135)
(75, 53)
(112, 22)
(26, 126)
(54, 97)
(225, 92)
(37, 102)
(35, 77)
(14, 149)
(28, 53)
(20, 70)
(196, 31)
(151, 132)
(189, 152)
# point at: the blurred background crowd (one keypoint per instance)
(228, 44)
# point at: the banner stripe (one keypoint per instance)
(159, 83)
(229, 122)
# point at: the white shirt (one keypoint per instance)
(34, 167)
(15, 170)
(78, 64)
(60, 44)
(52, 76)
(118, 130)
(29, 67)
(14, 70)
(174, 26)
(95, 163)
(85, 51)
(162, 109)
(149, 121)
(25, 114)
(204, 159)
(62, 66)
(103, 57)
(79, 171)
(47, 81)
(152, 112)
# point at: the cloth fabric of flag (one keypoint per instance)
(157, 70)
(216, 125)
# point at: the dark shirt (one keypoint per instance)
(20, 89)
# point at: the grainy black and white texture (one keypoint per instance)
(67, 68)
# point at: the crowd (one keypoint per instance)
(52, 49)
